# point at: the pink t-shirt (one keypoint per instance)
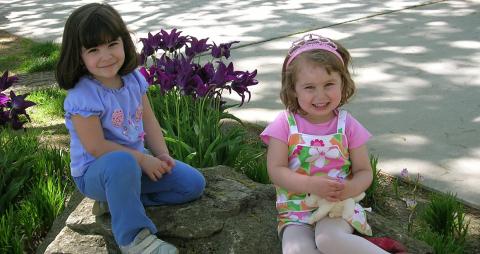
(356, 134)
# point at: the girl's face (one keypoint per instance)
(318, 93)
(104, 61)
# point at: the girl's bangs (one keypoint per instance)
(97, 32)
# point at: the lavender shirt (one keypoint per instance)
(356, 134)
(120, 112)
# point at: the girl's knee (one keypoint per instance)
(196, 186)
(326, 242)
(122, 165)
(193, 182)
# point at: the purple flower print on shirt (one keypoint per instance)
(141, 136)
(138, 114)
(117, 118)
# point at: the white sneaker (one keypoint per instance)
(146, 243)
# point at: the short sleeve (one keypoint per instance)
(83, 99)
(277, 129)
(141, 81)
(357, 134)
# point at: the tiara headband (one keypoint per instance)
(312, 42)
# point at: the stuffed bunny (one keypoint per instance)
(344, 208)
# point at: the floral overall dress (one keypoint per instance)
(316, 155)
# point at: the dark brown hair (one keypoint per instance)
(323, 58)
(89, 26)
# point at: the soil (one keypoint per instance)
(388, 205)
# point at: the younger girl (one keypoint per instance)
(314, 146)
(109, 117)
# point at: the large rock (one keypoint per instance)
(235, 215)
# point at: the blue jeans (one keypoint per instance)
(117, 178)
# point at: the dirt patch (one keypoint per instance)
(9, 44)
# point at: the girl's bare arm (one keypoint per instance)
(153, 132)
(361, 171)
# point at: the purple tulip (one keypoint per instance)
(176, 67)
(197, 47)
(150, 45)
(206, 72)
(242, 82)
(6, 82)
(164, 80)
(173, 41)
(19, 104)
(184, 72)
(201, 88)
(11, 107)
(167, 64)
(147, 74)
(222, 50)
(223, 74)
(4, 99)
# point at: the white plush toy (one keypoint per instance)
(344, 208)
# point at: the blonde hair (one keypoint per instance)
(319, 57)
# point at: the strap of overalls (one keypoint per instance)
(342, 119)
(291, 122)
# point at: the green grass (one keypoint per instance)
(43, 56)
(34, 183)
(30, 57)
(374, 194)
(49, 103)
(444, 223)
(10, 62)
(12, 58)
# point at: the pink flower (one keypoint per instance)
(141, 136)
(297, 150)
(138, 113)
(117, 118)
(317, 142)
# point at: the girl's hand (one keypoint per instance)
(346, 192)
(153, 167)
(165, 157)
(326, 187)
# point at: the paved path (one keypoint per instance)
(416, 64)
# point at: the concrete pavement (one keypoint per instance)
(416, 65)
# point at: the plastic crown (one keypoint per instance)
(312, 42)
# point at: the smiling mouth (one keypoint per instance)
(106, 66)
(320, 105)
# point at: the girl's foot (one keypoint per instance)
(145, 242)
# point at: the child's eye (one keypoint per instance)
(309, 87)
(92, 50)
(330, 84)
(112, 44)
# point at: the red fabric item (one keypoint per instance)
(388, 244)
